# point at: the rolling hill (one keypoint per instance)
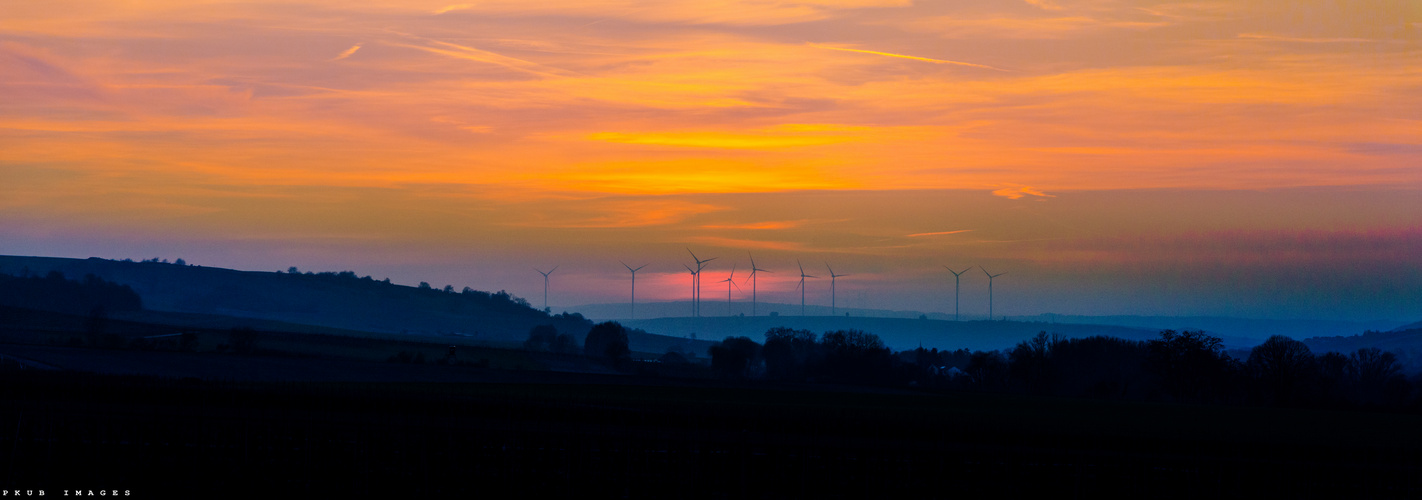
(341, 301)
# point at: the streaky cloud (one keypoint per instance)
(1017, 192)
(902, 56)
(1276, 38)
(474, 54)
(348, 52)
(939, 233)
(448, 8)
(789, 224)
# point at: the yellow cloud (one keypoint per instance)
(756, 225)
(691, 175)
(1013, 193)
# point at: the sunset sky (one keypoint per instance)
(1256, 158)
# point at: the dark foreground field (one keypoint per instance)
(163, 437)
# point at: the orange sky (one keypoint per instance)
(464, 142)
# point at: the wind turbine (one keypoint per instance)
(632, 310)
(693, 287)
(832, 277)
(730, 281)
(696, 278)
(545, 286)
(801, 286)
(990, 277)
(956, 275)
(753, 272)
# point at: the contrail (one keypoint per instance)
(902, 56)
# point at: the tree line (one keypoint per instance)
(1185, 366)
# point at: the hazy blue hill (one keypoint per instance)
(336, 300)
(710, 307)
(1406, 343)
(1409, 326)
(1238, 332)
(897, 333)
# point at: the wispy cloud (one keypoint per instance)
(1018, 192)
(475, 54)
(916, 235)
(347, 52)
(718, 140)
(902, 56)
(739, 243)
(787, 224)
(1045, 4)
(609, 214)
(1290, 39)
(1020, 28)
(454, 7)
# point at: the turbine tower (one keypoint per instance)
(753, 272)
(545, 287)
(696, 279)
(832, 277)
(801, 286)
(730, 281)
(990, 277)
(632, 309)
(693, 288)
(956, 275)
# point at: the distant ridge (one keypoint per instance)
(333, 300)
(1409, 326)
(897, 333)
(1237, 332)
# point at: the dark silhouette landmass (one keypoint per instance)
(189, 403)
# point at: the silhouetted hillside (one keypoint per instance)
(337, 300)
(54, 292)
